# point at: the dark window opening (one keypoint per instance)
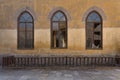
(94, 31)
(59, 30)
(25, 31)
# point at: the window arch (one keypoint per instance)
(25, 31)
(59, 30)
(94, 30)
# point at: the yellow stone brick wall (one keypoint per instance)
(74, 10)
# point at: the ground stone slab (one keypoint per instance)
(61, 74)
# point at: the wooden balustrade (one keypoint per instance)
(12, 61)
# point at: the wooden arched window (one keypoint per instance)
(94, 31)
(59, 30)
(25, 31)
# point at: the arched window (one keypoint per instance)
(94, 31)
(25, 31)
(59, 30)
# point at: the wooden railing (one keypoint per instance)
(16, 62)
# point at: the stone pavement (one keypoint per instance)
(99, 73)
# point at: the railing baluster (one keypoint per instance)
(22, 62)
(3, 62)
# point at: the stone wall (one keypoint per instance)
(76, 12)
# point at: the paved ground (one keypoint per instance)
(101, 73)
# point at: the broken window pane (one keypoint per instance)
(59, 30)
(55, 26)
(94, 31)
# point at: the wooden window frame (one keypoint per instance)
(51, 30)
(101, 22)
(18, 31)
